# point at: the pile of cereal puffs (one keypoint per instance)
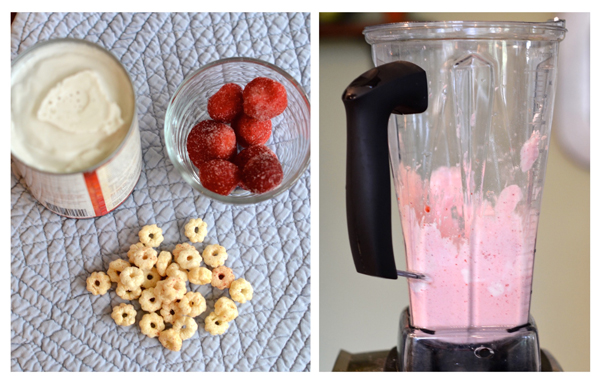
(159, 282)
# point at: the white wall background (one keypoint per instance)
(360, 313)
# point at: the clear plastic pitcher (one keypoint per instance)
(469, 170)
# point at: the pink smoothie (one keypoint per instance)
(530, 151)
(477, 254)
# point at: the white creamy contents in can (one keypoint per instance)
(79, 105)
(71, 107)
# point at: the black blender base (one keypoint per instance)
(481, 350)
(387, 361)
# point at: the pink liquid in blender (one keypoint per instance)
(477, 254)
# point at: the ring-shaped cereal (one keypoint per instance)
(144, 258)
(226, 309)
(169, 312)
(186, 326)
(152, 324)
(164, 260)
(151, 235)
(132, 249)
(127, 293)
(132, 277)
(196, 302)
(188, 259)
(170, 339)
(170, 289)
(241, 290)
(115, 268)
(196, 230)
(179, 248)
(149, 302)
(123, 314)
(222, 277)
(214, 255)
(174, 271)
(200, 275)
(98, 283)
(151, 278)
(182, 306)
(215, 325)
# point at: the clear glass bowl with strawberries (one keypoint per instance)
(238, 130)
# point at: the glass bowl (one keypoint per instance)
(290, 139)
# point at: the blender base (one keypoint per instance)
(387, 361)
(481, 350)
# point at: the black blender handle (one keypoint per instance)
(399, 87)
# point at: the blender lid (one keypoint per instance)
(551, 30)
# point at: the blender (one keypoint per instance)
(462, 112)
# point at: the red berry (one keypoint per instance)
(264, 98)
(210, 140)
(250, 131)
(262, 173)
(226, 103)
(219, 176)
(246, 154)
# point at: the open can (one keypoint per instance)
(103, 185)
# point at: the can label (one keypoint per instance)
(94, 193)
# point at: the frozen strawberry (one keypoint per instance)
(246, 154)
(262, 173)
(264, 98)
(250, 131)
(226, 103)
(219, 176)
(210, 140)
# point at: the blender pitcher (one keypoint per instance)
(471, 110)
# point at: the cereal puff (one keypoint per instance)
(169, 312)
(214, 255)
(180, 247)
(132, 277)
(196, 302)
(149, 302)
(170, 339)
(196, 230)
(186, 326)
(152, 324)
(124, 314)
(164, 260)
(215, 325)
(144, 258)
(225, 308)
(241, 290)
(151, 278)
(170, 289)
(222, 277)
(133, 248)
(188, 259)
(200, 275)
(182, 306)
(175, 271)
(151, 235)
(115, 268)
(128, 293)
(98, 283)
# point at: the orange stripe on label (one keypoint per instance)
(95, 193)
